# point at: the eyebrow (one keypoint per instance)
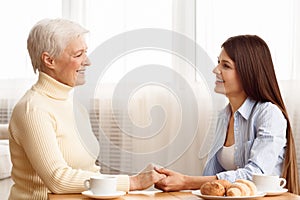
(226, 61)
(79, 51)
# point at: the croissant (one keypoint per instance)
(250, 185)
(240, 187)
(225, 183)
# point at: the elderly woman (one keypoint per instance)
(46, 150)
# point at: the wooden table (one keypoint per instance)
(148, 195)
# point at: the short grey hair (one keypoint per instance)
(52, 36)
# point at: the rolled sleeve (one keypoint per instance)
(268, 147)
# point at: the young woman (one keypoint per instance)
(253, 133)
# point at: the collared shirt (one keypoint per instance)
(260, 141)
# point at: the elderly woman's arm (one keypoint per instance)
(40, 143)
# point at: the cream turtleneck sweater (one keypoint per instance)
(46, 151)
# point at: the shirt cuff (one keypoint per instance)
(228, 175)
(123, 183)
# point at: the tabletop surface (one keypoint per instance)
(147, 195)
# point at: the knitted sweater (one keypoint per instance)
(47, 153)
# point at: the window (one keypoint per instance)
(274, 21)
(17, 17)
(208, 22)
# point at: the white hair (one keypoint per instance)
(52, 36)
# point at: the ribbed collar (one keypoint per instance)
(51, 87)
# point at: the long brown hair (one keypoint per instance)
(255, 67)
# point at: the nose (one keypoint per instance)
(216, 70)
(86, 62)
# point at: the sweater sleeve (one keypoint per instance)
(37, 136)
(123, 183)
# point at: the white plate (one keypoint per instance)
(104, 196)
(210, 197)
(277, 192)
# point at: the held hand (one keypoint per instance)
(146, 178)
(173, 181)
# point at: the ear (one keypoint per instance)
(47, 60)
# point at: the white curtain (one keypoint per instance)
(277, 22)
(203, 24)
(16, 19)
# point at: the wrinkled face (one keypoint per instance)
(71, 64)
(227, 79)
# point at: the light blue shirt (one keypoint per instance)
(260, 140)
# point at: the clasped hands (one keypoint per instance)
(162, 178)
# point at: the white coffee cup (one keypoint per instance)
(101, 185)
(265, 183)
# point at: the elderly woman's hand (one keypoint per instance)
(146, 178)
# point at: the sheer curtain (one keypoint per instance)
(278, 25)
(123, 130)
(17, 18)
(143, 123)
(158, 114)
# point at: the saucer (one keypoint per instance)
(276, 192)
(116, 194)
(210, 197)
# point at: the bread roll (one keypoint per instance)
(213, 188)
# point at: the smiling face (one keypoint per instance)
(227, 79)
(69, 67)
